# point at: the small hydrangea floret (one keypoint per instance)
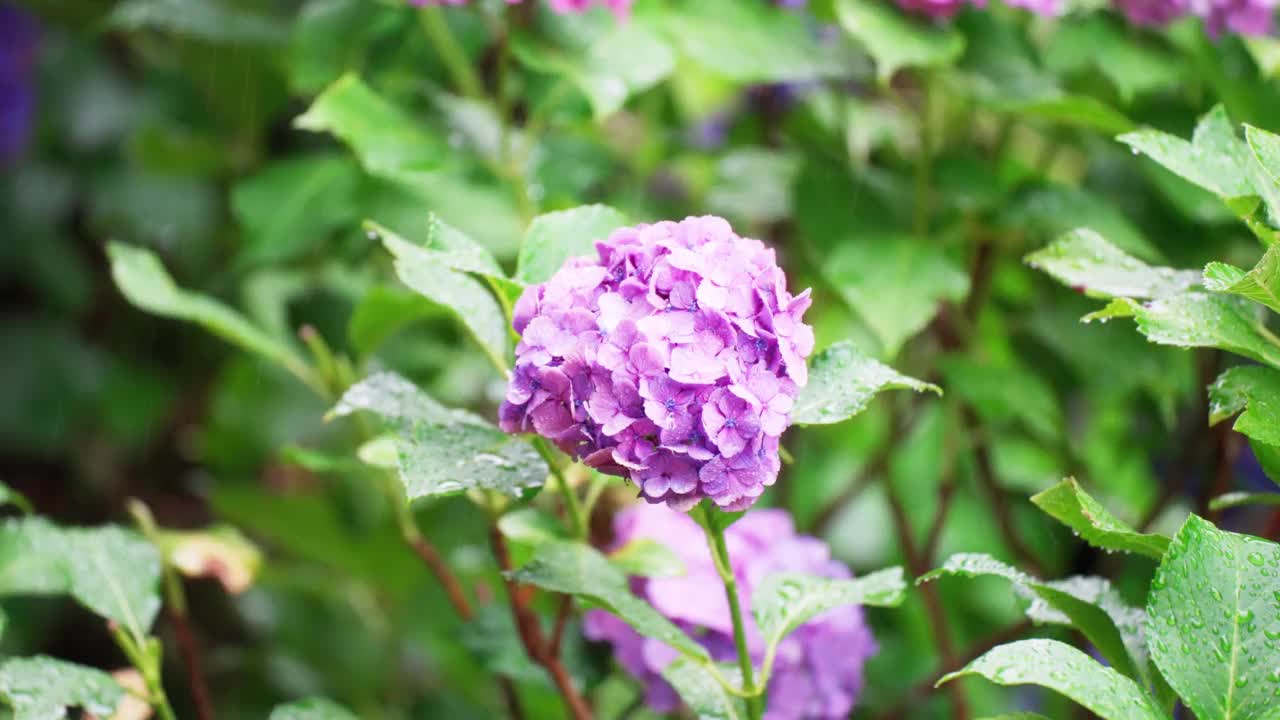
(672, 358)
(818, 670)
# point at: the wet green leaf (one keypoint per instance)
(212, 21)
(145, 283)
(442, 451)
(1066, 670)
(9, 496)
(1241, 499)
(784, 601)
(1077, 110)
(841, 383)
(1070, 505)
(1198, 319)
(603, 63)
(1254, 392)
(1212, 620)
(751, 42)
(386, 140)
(580, 570)
(897, 41)
(1216, 158)
(470, 301)
(555, 237)
(1265, 150)
(894, 283)
(703, 693)
(531, 526)
(44, 688)
(1261, 284)
(643, 557)
(293, 205)
(111, 571)
(1084, 260)
(1085, 603)
(311, 709)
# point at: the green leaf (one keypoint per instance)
(1065, 109)
(1215, 158)
(784, 601)
(1241, 499)
(1083, 259)
(531, 526)
(580, 570)
(643, 557)
(331, 36)
(212, 21)
(1261, 284)
(1198, 319)
(896, 41)
(1254, 392)
(1087, 604)
(386, 140)
(312, 709)
(751, 42)
(555, 237)
(841, 383)
(384, 311)
(469, 300)
(1066, 670)
(602, 62)
(1070, 505)
(45, 688)
(111, 571)
(702, 692)
(293, 205)
(894, 283)
(1055, 210)
(1265, 150)
(442, 451)
(1005, 394)
(1213, 612)
(144, 282)
(9, 496)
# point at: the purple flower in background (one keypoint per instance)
(19, 41)
(1153, 13)
(672, 358)
(1047, 8)
(818, 671)
(1243, 17)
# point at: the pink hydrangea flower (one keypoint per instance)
(938, 9)
(818, 671)
(672, 358)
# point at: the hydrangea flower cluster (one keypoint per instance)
(672, 358)
(621, 8)
(818, 671)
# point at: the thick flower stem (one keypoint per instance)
(714, 528)
(577, 519)
(454, 57)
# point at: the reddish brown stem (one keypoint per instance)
(452, 586)
(536, 644)
(562, 623)
(190, 652)
(995, 494)
(922, 689)
(929, 593)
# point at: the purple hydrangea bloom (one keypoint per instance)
(672, 358)
(1243, 17)
(1047, 8)
(818, 671)
(1153, 13)
(19, 41)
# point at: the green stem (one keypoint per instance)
(720, 555)
(454, 57)
(577, 519)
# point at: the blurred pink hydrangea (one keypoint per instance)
(1242, 17)
(672, 358)
(818, 671)
(1153, 13)
(621, 8)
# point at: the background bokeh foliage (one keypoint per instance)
(901, 169)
